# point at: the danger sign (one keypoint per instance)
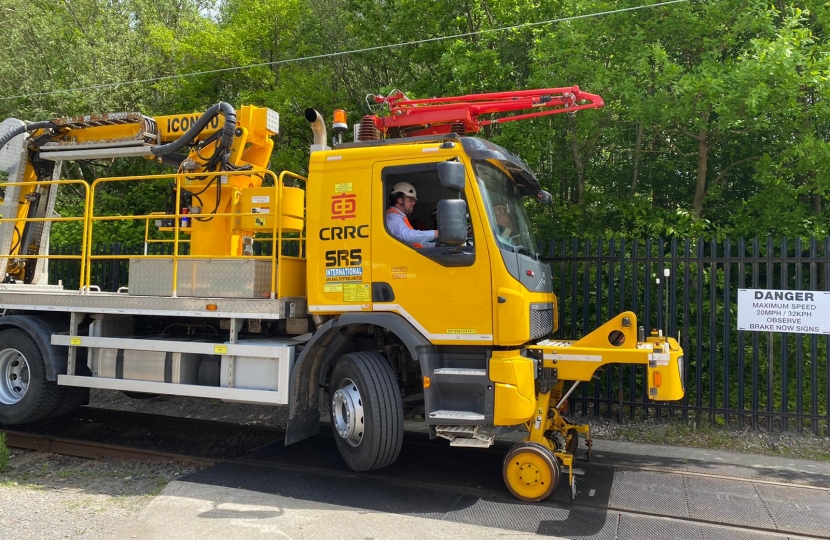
(799, 312)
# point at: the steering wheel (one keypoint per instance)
(469, 240)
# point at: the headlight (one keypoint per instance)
(680, 371)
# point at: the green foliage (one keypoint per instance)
(715, 124)
(4, 453)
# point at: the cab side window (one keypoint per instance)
(412, 193)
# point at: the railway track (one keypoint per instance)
(313, 469)
(95, 450)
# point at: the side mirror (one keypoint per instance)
(451, 174)
(544, 197)
(452, 221)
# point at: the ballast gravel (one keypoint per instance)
(50, 496)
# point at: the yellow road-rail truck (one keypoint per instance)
(300, 291)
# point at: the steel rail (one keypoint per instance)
(94, 450)
(736, 478)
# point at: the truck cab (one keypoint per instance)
(494, 276)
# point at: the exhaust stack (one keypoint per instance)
(318, 127)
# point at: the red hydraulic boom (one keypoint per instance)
(462, 114)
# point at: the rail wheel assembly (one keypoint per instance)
(531, 472)
(533, 468)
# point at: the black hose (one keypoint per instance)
(23, 129)
(227, 130)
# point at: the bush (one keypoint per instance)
(4, 453)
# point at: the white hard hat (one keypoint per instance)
(404, 188)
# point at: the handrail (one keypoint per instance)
(83, 219)
(276, 228)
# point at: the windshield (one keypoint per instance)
(505, 211)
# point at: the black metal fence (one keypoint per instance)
(732, 377)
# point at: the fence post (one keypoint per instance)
(799, 342)
(785, 370)
(727, 325)
(814, 394)
(686, 344)
(770, 339)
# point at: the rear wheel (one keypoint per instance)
(25, 394)
(366, 411)
(74, 396)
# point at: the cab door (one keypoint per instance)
(444, 292)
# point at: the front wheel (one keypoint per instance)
(366, 411)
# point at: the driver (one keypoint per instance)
(504, 224)
(402, 201)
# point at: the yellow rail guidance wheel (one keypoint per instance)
(531, 472)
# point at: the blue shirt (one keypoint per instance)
(398, 225)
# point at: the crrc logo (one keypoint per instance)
(343, 206)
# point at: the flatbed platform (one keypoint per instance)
(28, 298)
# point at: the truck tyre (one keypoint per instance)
(25, 394)
(74, 396)
(72, 399)
(366, 411)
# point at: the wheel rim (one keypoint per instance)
(14, 376)
(530, 472)
(347, 412)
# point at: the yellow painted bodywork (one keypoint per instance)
(448, 305)
(514, 377)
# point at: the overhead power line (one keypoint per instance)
(342, 53)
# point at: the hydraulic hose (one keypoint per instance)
(200, 124)
(23, 129)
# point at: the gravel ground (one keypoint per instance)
(49, 496)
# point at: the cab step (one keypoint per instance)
(456, 415)
(470, 372)
(469, 436)
(456, 375)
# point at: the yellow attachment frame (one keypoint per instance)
(614, 342)
(21, 221)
